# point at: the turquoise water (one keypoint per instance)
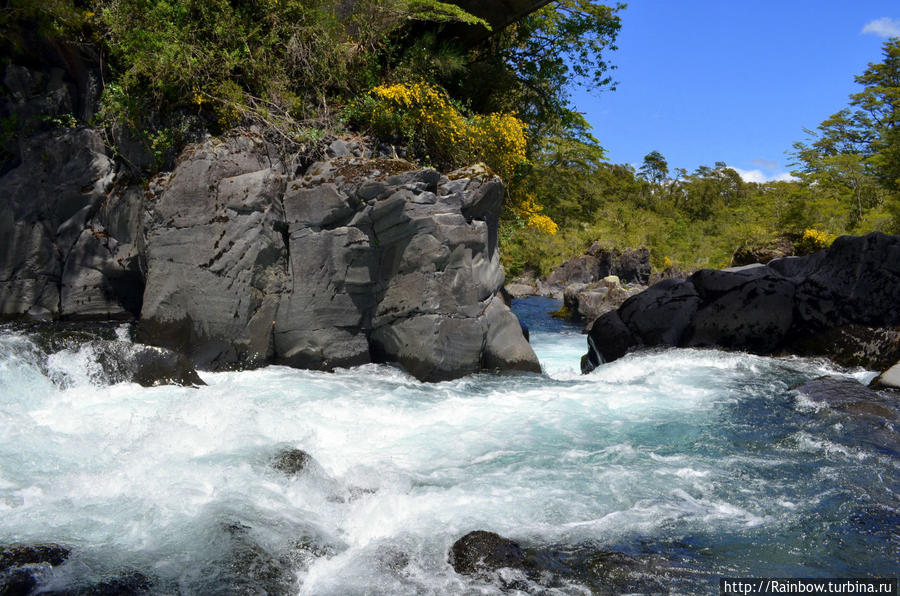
(697, 464)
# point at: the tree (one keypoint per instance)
(857, 150)
(654, 169)
(530, 66)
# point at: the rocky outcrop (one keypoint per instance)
(587, 302)
(236, 261)
(843, 303)
(631, 267)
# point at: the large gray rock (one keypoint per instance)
(55, 257)
(235, 262)
(843, 303)
(215, 257)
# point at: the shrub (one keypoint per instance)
(425, 118)
(813, 240)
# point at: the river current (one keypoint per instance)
(686, 465)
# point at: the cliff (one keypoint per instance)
(238, 259)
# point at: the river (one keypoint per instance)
(688, 465)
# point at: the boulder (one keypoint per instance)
(587, 302)
(843, 303)
(148, 366)
(480, 553)
(294, 461)
(889, 379)
(748, 308)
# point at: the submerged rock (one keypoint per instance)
(843, 303)
(129, 584)
(849, 395)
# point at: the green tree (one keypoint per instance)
(531, 66)
(655, 169)
(855, 153)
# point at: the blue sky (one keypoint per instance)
(735, 81)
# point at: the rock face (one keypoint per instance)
(235, 261)
(843, 303)
(57, 254)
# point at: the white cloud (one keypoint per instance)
(760, 178)
(883, 27)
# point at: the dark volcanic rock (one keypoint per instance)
(843, 303)
(481, 552)
(236, 262)
(46, 204)
(749, 308)
(359, 260)
(148, 366)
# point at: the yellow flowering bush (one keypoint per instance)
(529, 211)
(812, 241)
(424, 117)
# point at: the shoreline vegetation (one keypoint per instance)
(157, 75)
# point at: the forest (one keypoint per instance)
(450, 90)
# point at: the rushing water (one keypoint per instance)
(693, 464)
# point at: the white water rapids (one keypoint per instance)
(700, 459)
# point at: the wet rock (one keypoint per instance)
(22, 566)
(294, 461)
(16, 555)
(843, 303)
(481, 552)
(129, 584)
(256, 567)
(149, 366)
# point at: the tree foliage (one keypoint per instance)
(855, 153)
